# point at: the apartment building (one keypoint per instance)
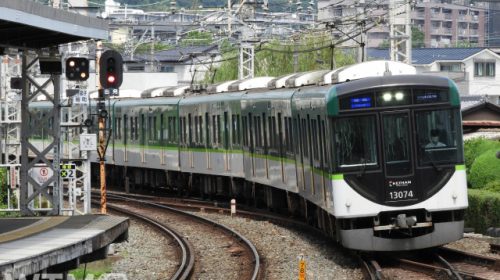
(445, 23)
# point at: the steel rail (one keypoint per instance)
(186, 266)
(246, 242)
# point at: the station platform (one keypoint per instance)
(56, 244)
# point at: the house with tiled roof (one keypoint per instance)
(473, 69)
(480, 112)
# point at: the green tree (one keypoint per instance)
(275, 58)
(197, 38)
(417, 38)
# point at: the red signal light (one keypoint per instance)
(111, 79)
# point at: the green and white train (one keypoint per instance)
(375, 162)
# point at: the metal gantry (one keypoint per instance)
(10, 130)
(246, 62)
(400, 30)
(40, 188)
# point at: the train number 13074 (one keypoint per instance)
(399, 195)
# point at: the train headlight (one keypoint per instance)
(399, 96)
(387, 97)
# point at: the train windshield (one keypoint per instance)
(439, 136)
(355, 141)
(397, 143)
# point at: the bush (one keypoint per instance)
(485, 170)
(483, 211)
(475, 147)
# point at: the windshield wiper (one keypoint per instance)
(363, 168)
(433, 163)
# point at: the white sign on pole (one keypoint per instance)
(88, 142)
(81, 98)
(41, 174)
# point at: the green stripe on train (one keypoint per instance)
(460, 167)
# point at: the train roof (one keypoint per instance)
(388, 81)
(210, 98)
(280, 93)
(147, 101)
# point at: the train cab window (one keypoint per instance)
(397, 144)
(355, 142)
(439, 136)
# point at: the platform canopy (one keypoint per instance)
(27, 24)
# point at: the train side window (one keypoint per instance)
(314, 139)
(161, 128)
(226, 130)
(150, 128)
(143, 129)
(296, 128)
(196, 130)
(125, 129)
(207, 128)
(323, 145)
(136, 129)
(238, 129)
(182, 134)
(279, 139)
(155, 134)
(269, 129)
(258, 135)
(214, 130)
(305, 143)
(244, 130)
(169, 130)
(265, 143)
(190, 130)
(174, 134)
(132, 128)
(234, 128)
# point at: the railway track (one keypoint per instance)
(187, 254)
(240, 251)
(495, 248)
(437, 263)
(218, 207)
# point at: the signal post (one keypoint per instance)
(110, 79)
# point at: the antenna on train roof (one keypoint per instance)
(387, 69)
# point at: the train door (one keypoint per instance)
(397, 156)
(125, 137)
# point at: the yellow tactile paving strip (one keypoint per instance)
(39, 226)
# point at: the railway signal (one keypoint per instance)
(111, 69)
(77, 69)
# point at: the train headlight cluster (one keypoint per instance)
(388, 96)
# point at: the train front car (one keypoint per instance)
(399, 176)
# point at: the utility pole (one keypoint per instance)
(102, 126)
(400, 30)
(361, 21)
